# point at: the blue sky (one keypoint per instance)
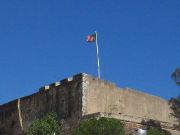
(43, 41)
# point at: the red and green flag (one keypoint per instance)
(91, 38)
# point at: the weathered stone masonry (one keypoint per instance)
(81, 96)
(63, 97)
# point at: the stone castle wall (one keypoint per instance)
(102, 96)
(62, 97)
(77, 97)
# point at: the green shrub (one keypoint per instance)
(154, 128)
(157, 131)
(45, 126)
(175, 107)
(102, 126)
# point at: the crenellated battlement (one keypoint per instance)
(61, 82)
(79, 96)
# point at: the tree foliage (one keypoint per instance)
(154, 128)
(156, 131)
(174, 102)
(102, 126)
(176, 76)
(45, 126)
(175, 107)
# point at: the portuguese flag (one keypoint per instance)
(91, 38)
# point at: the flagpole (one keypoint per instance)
(97, 50)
